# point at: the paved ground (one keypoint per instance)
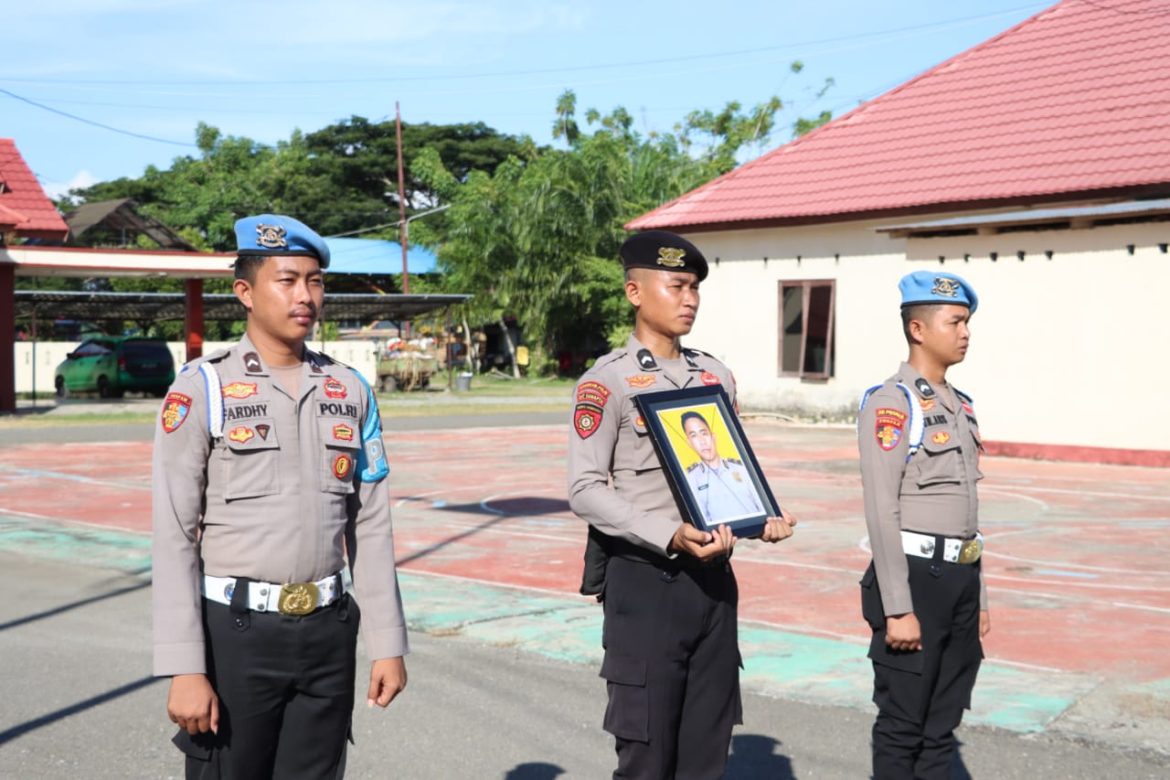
(490, 559)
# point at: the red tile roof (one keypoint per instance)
(24, 207)
(1073, 101)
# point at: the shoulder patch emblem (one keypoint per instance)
(888, 427)
(708, 378)
(942, 437)
(641, 381)
(241, 434)
(586, 419)
(174, 411)
(334, 388)
(239, 390)
(592, 393)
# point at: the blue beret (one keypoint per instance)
(663, 251)
(272, 234)
(934, 287)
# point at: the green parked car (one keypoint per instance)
(111, 366)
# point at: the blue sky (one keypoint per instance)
(261, 68)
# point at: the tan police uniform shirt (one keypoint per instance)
(296, 482)
(609, 437)
(934, 493)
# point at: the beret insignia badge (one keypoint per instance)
(948, 288)
(271, 236)
(671, 256)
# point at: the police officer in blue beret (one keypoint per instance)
(271, 521)
(923, 595)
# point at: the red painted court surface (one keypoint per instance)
(1075, 559)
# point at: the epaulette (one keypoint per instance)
(213, 357)
(694, 466)
(608, 357)
(693, 351)
(736, 461)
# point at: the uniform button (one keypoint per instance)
(264, 591)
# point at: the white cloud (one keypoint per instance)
(55, 189)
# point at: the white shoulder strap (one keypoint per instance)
(917, 417)
(214, 399)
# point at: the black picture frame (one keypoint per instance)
(732, 493)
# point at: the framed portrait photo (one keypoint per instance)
(707, 459)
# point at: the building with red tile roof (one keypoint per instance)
(1071, 102)
(1037, 166)
(25, 209)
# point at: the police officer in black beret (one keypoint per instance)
(670, 635)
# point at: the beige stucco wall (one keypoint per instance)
(1069, 351)
(359, 354)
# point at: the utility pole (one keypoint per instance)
(402, 224)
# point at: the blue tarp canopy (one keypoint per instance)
(376, 256)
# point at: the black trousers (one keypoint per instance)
(285, 687)
(921, 695)
(672, 668)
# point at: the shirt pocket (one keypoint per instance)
(251, 467)
(341, 439)
(635, 451)
(940, 464)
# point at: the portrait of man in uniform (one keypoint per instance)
(720, 483)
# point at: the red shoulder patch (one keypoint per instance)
(888, 427)
(592, 393)
(587, 419)
(174, 411)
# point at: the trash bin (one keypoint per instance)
(463, 381)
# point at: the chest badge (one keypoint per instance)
(334, 388)
(342, 465)
(942, 437)
(343, 432)
(641, 381)
(646, 360)
(240, 390)
(923, 387)
(241, 434)
(708, 378)
(252, 363)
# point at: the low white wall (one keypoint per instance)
(359, 354)
(1064, 351)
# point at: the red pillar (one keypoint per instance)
(7, 337)
(193, 318)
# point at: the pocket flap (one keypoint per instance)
(256, 434)
(339, 433)
(623, 669)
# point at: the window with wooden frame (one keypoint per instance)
(806, 328)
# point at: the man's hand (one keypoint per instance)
(387, 680)
(703, 545)
(903, 632)
(777, 529)
(984, 623)
(193, 704)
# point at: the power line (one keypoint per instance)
(91, 122)
(528, 72)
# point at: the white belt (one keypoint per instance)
(954, 550)
(297, 598)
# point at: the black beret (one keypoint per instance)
(663, 251)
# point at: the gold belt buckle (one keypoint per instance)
(971, 550)
(298, 598)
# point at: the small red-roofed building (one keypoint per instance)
(25, 212)
(1036, 165)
